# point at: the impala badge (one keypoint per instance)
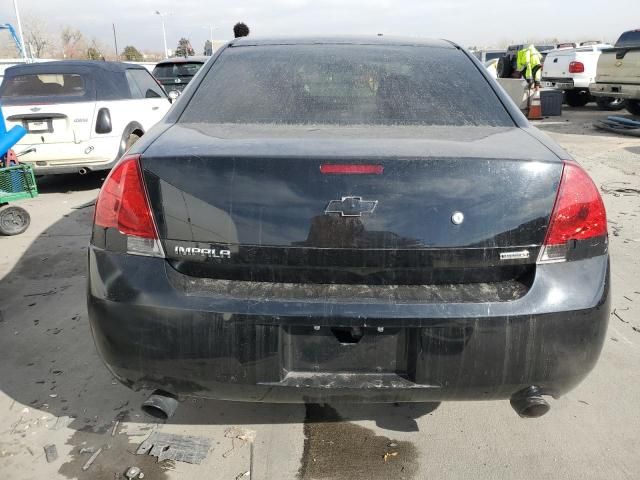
(351, 206)
(202, 252)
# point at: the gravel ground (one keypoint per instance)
(54, 390)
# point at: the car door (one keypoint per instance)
(153, 101)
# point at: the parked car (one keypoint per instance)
(175, 73)
(573, 70)
(347, 223)
(487, 55)
(80, 115)
(618, 74)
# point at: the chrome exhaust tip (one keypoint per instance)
(528, 403)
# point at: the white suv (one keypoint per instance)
(80, 115)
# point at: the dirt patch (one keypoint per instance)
(117, 455)
(334, 449)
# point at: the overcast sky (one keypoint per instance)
(469, 22)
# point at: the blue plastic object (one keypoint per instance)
(10, 138)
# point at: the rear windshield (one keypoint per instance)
(629, 39)
(44, 85)
(493, 55)
(345, 84)
(181, 69)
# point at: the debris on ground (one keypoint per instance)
(243, 475)
(51, 453)
(115, 428)
(243, 436)
(389, 455)
(133, 472)
(618, 189)
(87, 450)
(621, 125)
(181, 448)
(617, 315)
(92, 459)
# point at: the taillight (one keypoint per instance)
(576, 67)
(123, 205)
(578, 214)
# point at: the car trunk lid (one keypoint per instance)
(53, 122)
(439, 204)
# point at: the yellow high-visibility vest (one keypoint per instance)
(527, 59)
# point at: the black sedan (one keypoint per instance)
(348, 219)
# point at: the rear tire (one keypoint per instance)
(633, 107)
(13, 220)
(577, 98)
(610, 104)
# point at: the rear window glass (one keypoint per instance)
(629, 39)
(494, 55)
(44, 85)
(345, 84)
(181, 69)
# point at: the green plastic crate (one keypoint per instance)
(17, 183)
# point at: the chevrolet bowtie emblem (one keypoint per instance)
(351, 206)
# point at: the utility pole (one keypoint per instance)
(164, 32)
(23, 47)
(115, 40)
(211, 37)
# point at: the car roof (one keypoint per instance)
(69, 65)
(192, 58)
(343, 40)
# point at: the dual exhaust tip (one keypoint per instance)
(527, 403)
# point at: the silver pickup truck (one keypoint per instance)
(618, 73)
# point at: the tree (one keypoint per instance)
(72, 43)
(184, 48)
(208, 48)
(37, 36)
(132, 54)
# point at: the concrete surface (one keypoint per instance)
(55, 390)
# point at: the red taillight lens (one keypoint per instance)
(122, 202)
(576, 67)
(578, 214)
(350, 169)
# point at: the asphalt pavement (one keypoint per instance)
(54, 390)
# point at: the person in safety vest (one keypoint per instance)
(529, 63)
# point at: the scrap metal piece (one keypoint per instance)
(181, 448)
(132, 472)
(51, 453)
(92, 459)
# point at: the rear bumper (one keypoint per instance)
(156, 328)
(615, 90)
(55, 158)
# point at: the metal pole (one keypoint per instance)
(164, 37)
(211, 38)
(22, 45)
(115, 40)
